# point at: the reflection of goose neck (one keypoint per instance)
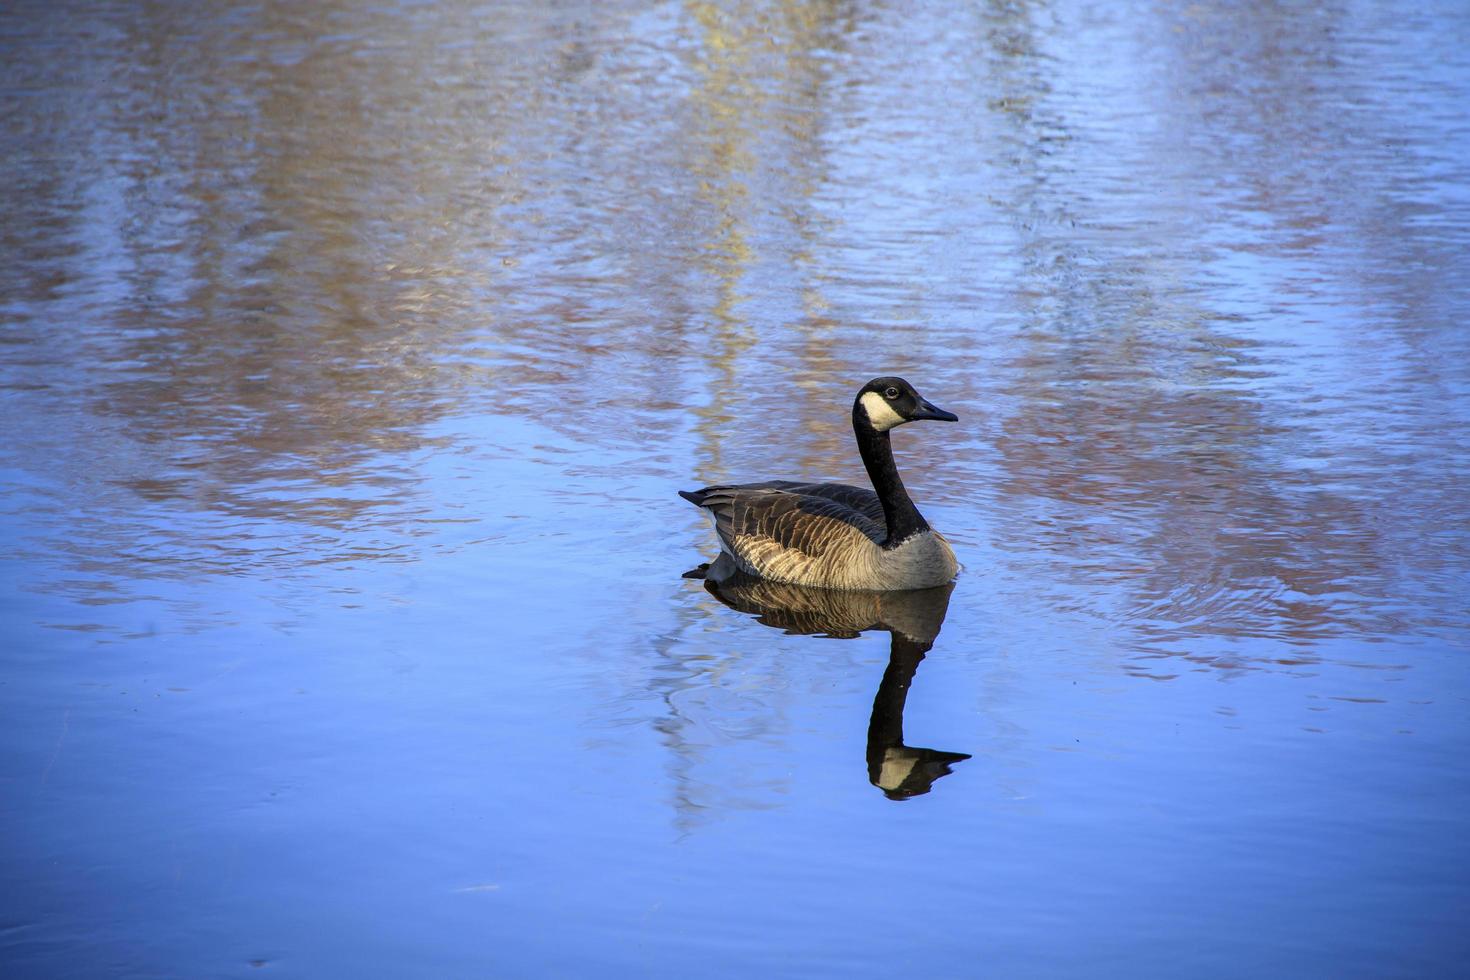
(899, 770)
(885, 727)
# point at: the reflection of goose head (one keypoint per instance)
(912, 620)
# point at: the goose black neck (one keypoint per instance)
(899, 513)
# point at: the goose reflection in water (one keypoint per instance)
(912, 619)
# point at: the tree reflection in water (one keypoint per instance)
(912, 620)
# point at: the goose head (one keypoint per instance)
(885, 403)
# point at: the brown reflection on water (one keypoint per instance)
(729, 108)
(264, 263)
(759, 100)
(1236, 481)
(1186, 495)
(268, 268)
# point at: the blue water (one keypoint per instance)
(351, 359)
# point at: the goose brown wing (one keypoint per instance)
(865, 502)
(756, 519)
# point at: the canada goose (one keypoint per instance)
(832, 535)
(912, 619)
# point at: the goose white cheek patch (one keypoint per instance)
(880, 413)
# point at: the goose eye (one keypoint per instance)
(891, 394)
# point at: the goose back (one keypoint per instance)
(824, 534)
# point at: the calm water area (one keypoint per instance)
(351, 356)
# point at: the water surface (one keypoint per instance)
(351, 357)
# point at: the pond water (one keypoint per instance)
(352, 356)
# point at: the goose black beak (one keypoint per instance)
(929, 411)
